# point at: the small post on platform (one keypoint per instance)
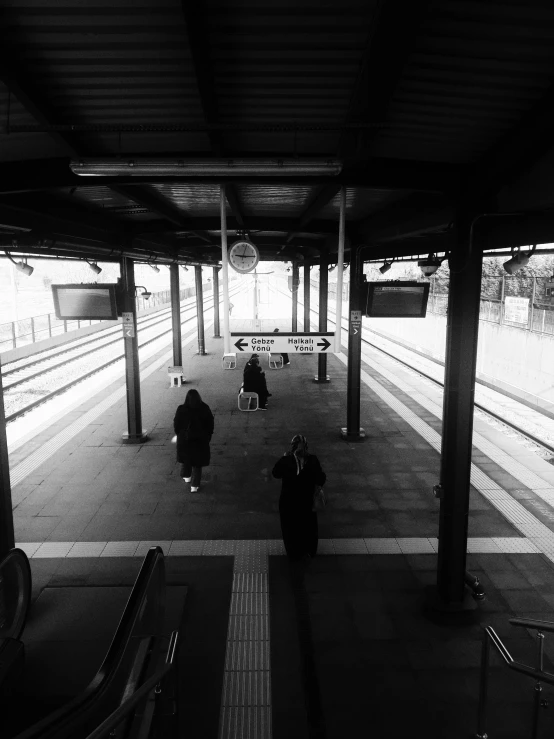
(322, 375)
(224, 270)
(176, 315)
(7, 536)
(353, 431)
(199, 309)
(457, 426)
(135, 433)
(216, 269)
(306, 297)
(295, 285)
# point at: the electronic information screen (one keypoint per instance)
(85, 302)
(396, 299)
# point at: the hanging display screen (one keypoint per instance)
(395, 299)
(85, 302)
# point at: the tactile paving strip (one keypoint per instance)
(511, 509)
(246, 694)
(516, 469)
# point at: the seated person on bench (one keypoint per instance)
(254, 381)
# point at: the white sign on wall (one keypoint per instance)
(516, 310)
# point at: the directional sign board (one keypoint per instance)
(128, 325)
(355, 322)
(291, 343)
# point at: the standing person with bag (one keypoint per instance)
(194, 426)
(302, 478)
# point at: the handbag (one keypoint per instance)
(319, 502)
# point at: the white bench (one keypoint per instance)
(275, 361)
(176, 376)
(229, 361)
(247, 401)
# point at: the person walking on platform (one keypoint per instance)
(194, 426)
(300, 473)
(231, 306)
(285, 356)
(254, 381)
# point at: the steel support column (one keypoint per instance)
(7, 536)
(135, 433)
(295, 286)
(457, 425)
(199, 309)
(353, 432)
(306, 297)
(217, 335)
(322, 375)
(176, 315)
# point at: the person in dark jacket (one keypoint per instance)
(254, 381)
(300, 473)
(194, 426)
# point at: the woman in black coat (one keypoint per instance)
(254, 381)
(301, 473)
(194, 426)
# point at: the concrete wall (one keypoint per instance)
(520, 362)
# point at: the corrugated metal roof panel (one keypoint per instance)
(475, 71)
(360, 202)
(197, 200)
(281, 201)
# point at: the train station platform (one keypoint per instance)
(344, 645)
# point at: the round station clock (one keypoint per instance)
(243, 256)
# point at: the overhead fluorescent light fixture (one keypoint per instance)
(161, 167)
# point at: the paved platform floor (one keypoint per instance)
(344, 646)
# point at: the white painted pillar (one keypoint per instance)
(224, 272)
(340, 263)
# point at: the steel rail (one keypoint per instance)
(527, 434)
(155, 319)
(77, 380)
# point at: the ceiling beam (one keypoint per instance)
(518, 150)
(22, 87)
(390, 41)
(395, 174)
(158, 204)
(198, 41)
(257, 223)
(323, 197)
(411, 216)
(20, 218)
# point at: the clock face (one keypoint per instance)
(243, 256)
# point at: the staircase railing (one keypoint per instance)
(152, 685)
(130, 661)
(538, 673)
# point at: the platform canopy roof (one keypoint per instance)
(433, 108)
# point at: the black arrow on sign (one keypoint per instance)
(240, 344)
(324, 343)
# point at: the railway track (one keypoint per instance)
(45, 374)
(541, 446)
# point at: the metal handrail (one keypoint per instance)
(538, 673)
(20, 589)
(127, 706)
(532, 623)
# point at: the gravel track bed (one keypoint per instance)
(20, 396)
